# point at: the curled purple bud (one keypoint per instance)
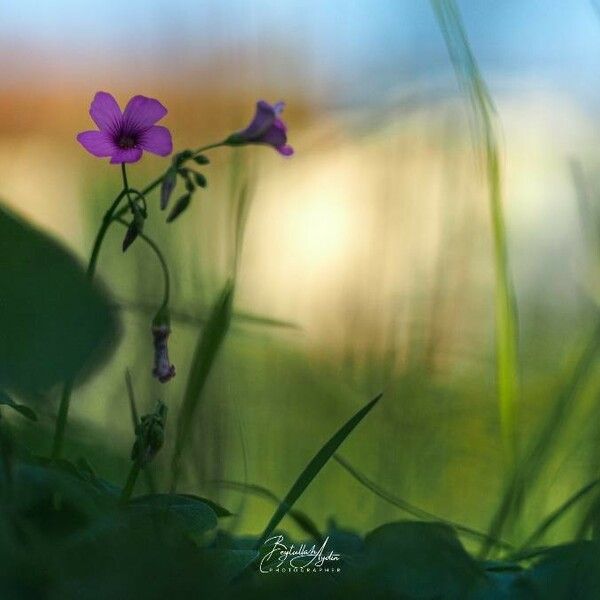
(163, 369)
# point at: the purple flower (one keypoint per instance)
(125, 135)
(163, 369)
(266, 128)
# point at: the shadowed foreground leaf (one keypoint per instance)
(53, 321)
(313, 468)
(192, 515)
(419, 560)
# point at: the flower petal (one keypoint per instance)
(105, 112)
(98, 143)
(263, 119)
(142, 112)
(157, 140)
(285, 150)
(278, 107)
(275, 136)
(126, 155)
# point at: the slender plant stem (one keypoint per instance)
(112, 214)
(106, 221)
(209, 147)
(161, 259)
(130, 483)
(507, 360)
(126, 188)
(65, 400)
(158, 180)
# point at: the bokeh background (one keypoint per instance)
(366, 263)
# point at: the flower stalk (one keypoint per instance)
(124, 136)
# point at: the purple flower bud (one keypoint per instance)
(265, 128)
(163, 369)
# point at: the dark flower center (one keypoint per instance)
(126, 141)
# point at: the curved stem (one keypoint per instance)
(160, 257)
(106, 221)
(65, 399)
(112, 214)
(209, 147)
(158, 180)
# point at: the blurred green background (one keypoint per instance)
(366, 264)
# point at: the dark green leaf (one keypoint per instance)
(53, 321)
(569, 572)
(220, 511)
(167, 187)
(201, 159)
(200, 180)
(419, 560)
(188, 512)
(130, 235)
(181, 204)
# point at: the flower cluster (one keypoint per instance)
(125, 135)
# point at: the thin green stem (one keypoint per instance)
(106, 221)
(65, 400)
(130, 483)
(128, 190)
(151, 186)
(161, 259)
(506, 329)
(209, 147)
(112, 214)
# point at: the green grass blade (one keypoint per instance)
(411, 509)
(556, 515)
(313, 468)
(206, 351)
(483, 113)
(302, 520)
(188, 318)
(530, 468)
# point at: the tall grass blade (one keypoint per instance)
(527, 472)
(188, 318)
(473, 85)
(302, 520)
(411, 509)
(556, 515)
(313, 468)
(205, 354)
